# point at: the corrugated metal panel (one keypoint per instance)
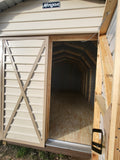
(111, 33)
(29, 18)
(22, 127)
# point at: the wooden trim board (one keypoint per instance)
(108, 14)
(107, 68)
(98, 90)
(49, 70)
(78, 37)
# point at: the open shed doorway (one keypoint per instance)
(72, 91)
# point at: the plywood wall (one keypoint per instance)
(29, 18)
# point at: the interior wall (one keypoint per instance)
(74, 67)
(88, 84)
(66, 77)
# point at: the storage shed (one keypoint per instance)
(57, 88)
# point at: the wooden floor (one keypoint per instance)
(71, 118)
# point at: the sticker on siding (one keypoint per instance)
(51, 5)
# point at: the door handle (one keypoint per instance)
(97, 147)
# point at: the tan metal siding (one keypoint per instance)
(22, 127)
(29, 18)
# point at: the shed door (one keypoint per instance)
(103, 98)
(24, 91)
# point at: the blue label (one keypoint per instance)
(51, 5)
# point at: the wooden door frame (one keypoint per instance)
(1, 84)
(56, 38)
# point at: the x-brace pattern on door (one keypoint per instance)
(23, 88)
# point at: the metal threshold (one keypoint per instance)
(68, 145)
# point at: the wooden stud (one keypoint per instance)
(82, 83)
(72, 58)
(90, 83)
(67, 60)
(107, 66)
(98, 85)
(82, 57)
(62, 60)
(75, 54)
(86, 84)
(108, 14)
(84, 50)
(98, 90)
(58, 52)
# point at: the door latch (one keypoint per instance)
(97, 147)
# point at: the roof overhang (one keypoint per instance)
(5, 4)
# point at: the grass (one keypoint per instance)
(11, 152)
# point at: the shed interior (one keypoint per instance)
(72, 91)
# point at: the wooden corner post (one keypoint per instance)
(114, 147)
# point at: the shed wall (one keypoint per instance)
(0, 88)
(111, 33)
(29, 18)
